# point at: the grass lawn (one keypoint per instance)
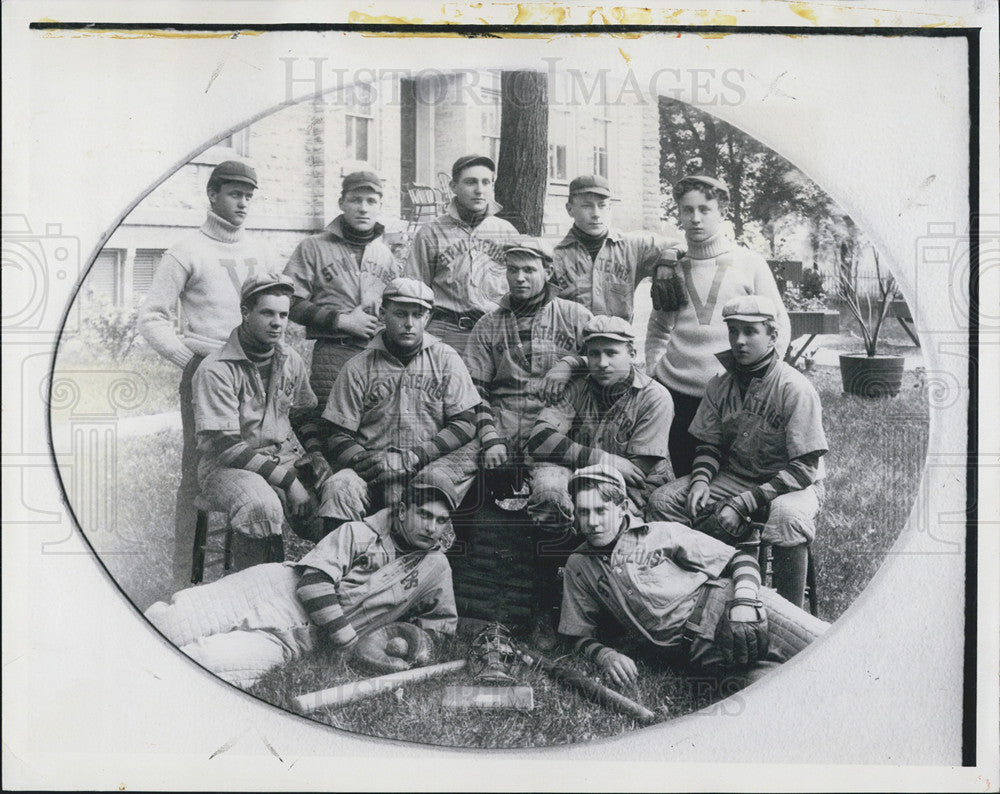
(877, 451)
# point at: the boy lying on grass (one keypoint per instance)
(695, 598)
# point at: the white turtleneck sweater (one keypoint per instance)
(681, 345)
(205, 271)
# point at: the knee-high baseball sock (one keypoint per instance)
(789, 572)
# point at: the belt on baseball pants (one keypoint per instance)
(463, 320)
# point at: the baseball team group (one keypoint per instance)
(494, 363)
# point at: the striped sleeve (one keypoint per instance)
(800, 473)
(229, 450)
(318, 594)
(746, 575)
(591, 649)
(707, 460)
(548, 445)
(459, 431)
(318, 319)
(486, 427)
(306, 426)
(342, 447)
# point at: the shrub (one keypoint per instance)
(108, 328)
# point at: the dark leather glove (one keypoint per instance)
(742, 642)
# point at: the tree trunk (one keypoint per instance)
(522, 170)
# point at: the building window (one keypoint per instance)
(143, 267)
(602, 129)
(358, 126)
(558, 145)
(491, 123)
(105, 281)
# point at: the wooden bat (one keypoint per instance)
(593, 690)
(358, 690)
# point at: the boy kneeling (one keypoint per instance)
(695, 598)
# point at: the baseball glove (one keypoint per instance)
(707, 521)
(667, 291)
(742, 642)
(391, 648)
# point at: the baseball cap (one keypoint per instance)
(430, 480)
(234, 171)
(705, 179)
(466, 160)
(409, 290)
(368, 179)
(531, 245)
(598, 473)
(265, 281)
(592, 183)
(609, 327)
(751, 308)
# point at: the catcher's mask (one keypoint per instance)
(493, 655)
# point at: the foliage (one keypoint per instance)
(811, 284)
(110, 329)
(869, 313)
(796, 300)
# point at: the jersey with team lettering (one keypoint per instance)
(388, 404)
(370, 573)
(204, 271)
(606, 285)
(494, 356)
(462, 264)
(229, 395)
(650, 580)
(780, 418)
(326, 273)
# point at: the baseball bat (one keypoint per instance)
(590, 688)
(358, 690)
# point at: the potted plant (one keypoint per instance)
(869, 374)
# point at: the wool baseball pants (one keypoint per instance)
(243, 625)
(792, 515)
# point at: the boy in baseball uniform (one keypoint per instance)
(384, 568)
(255, 419)
(698, 601)
(339, 275)
(459, 253)
(204, 271)
(512, 351)
(614, 414)
(760, 446)
(398, 407)
(598, 265)
(683, 336)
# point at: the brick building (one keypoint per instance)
(409, 130)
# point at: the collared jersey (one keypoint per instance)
(607, 284)
(359, 555)
(493, 356)
(385, 403)
(464, 265)
(326, 272)
(637, 424)
(779, 419)
(229, 395)
(650, 581)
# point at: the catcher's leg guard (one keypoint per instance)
(669, 502)
(790, 629)
(252, 506)
(259, 597)
(344, 497)
(239, 657)
(328, 357)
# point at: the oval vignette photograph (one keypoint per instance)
(477, 409)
